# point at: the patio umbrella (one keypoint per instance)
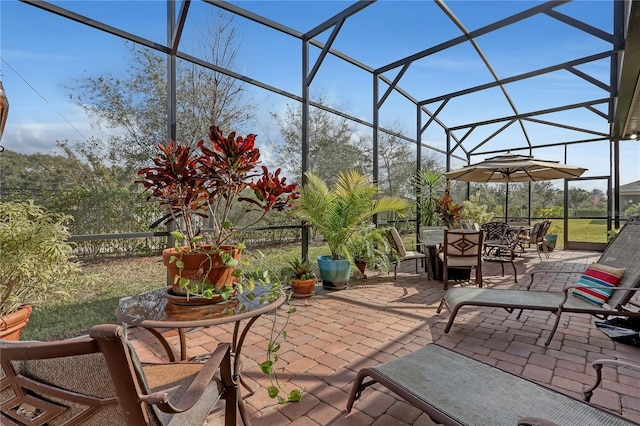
(511, 167)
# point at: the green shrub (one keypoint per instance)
(473, 210)
(35, 259)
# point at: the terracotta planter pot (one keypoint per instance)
(11, 325)
(200, 267)
(303, 288)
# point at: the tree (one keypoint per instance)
(577, 196)
(432, 185)
(518, 198)
(31, 174)
(96, 166)
(334, 146)
(397, 166)
(136, 103)
(543, 195)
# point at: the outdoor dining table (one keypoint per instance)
(430, 241)
(152, 310)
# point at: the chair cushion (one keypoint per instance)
(460, 261)
(598, 275)
(414, 255)
(397, 241)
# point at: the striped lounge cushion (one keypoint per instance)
(597, 275)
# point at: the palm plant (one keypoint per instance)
(431, 185)
(371, 246)
(337, 213)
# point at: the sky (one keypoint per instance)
(43, 55)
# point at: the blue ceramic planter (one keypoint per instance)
(334, 273)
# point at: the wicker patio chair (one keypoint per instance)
(454, 389)
(97, 380)
(622, 252)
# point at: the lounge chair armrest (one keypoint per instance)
(598, 364)
(614, 288)
(615, 363)
(220, 358)
(535, 421)
(533, 274)
(571, 287)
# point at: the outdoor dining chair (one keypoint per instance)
(395, 240)
(98, 380)
(537, 237)
(462, 249)
(495, 233)
(504, 252)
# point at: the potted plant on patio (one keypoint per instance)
(370, 248)
(551, 237)
(337, 213)
(302, 276)
(211, 183)
(35, 262)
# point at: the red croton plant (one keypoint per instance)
(209, 182)
(448, 211)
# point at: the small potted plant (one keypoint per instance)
(552, 237)
(302, 276)
(36, 263)
(370, 248)
(211, 182)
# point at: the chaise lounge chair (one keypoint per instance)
(623, 252)
(457, 390)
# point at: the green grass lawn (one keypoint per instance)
(108, 281)
(589, 230)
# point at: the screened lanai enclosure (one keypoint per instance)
(386, 87)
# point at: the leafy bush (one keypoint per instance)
(35, 264)
(473, 210)
(632, 210)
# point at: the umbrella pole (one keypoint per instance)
(506, 205)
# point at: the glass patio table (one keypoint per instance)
(153, 310)
(431, 239)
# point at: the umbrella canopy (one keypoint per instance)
(514, 168)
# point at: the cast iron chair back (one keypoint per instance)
(97, 380)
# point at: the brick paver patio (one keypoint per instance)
(335, 334)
